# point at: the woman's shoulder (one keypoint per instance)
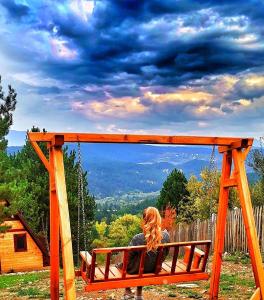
(138, 239)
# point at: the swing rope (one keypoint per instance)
(212, 179)
(81, 204)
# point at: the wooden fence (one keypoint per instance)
(235, 236)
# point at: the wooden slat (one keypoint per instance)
(142, 262)
(115, 272)
(86, 257)
(190, 260)
(92, 272)
(159, 260)
(135, 248)
(144, 139)
(125, 263)
(174, 260)
(166, 267)
(114, 284)
(205, 258)
(107, 265)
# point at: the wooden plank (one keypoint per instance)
(174, 259)
(115, 272)
(248, 217)
(135, 248)
(205, 258)
(107, 265)
(114, 284)
(220, 227)
(54, 232)
(143, 139)
(159, 260)
(230, 182)
(93, 266)
(190, 258)
(86, 257)
(142, 262)
(65, 228)
(125, 263)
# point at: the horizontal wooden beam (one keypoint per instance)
(231, 182)
(138, 139)
(107, 285)
(242, 143)
(134, 248)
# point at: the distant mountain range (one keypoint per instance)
(117, 169)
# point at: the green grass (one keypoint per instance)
(231, 282)
(33, 293)
(7, 281)
(190, 293)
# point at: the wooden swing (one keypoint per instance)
(192, 266)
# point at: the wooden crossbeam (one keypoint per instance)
(140, 139)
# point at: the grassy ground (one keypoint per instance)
(236, 283)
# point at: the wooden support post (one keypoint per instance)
(65, 228)
(54, 234)
(248, 217)
(220, 226)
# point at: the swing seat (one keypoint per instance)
(185, 263)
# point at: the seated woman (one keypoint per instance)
(152, 236)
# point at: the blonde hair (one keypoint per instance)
(152, 228)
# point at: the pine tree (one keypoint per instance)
(7, 107)
(173, 191)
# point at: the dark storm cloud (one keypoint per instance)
(114, 41)
(14, 9)
(125, 46)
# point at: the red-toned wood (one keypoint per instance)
(65, 228)
(107, 265)
(220, 226)
(125, 263)
(54, 233)
(145, 281)
(230, 182)
(142, 262)
(248, 217)
(174, 259)
(175, 268)
(135, 248)
(159, 260)
(139, 139)
(93, 263)
(190, 259)
(205, 258)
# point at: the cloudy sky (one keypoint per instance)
(143, 66)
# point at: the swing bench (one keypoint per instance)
(191, 266)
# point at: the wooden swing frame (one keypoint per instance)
(234, 150)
